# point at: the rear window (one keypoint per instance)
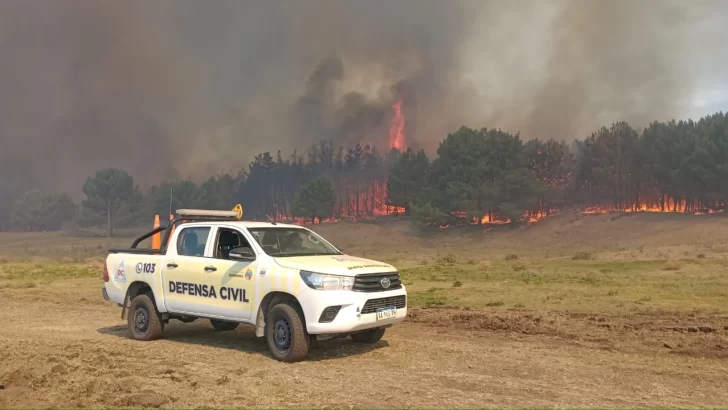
(192, 241)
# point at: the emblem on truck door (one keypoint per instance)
(120, 273)
(385, 282)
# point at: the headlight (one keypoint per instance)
(320, 281)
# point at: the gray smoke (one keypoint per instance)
(606, 61)
(182, 88)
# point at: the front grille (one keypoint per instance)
(373, 304)
(373, 282)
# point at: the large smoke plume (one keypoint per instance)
(183, 88)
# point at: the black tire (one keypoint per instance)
(370, 336)
(223, 325)
(286, 334)
(144, 321)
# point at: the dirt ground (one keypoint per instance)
(64, 346)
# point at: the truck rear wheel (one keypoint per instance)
(223, 325)
(286, 334)
(370, 336)
(145, 322)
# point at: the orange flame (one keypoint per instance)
(363, 201)
(666, 205)
(396, 130)
(489, 220)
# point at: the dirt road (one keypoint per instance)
(61, 345)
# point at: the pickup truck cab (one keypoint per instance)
(286, 280)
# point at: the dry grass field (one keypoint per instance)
(577, 311)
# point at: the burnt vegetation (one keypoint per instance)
(479, 176)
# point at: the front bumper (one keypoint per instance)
(357, 312)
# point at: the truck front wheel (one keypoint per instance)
(286, 334)
(145, 322)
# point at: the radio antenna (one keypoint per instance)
(271, 219)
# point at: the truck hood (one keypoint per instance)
(335, 264)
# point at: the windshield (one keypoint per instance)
(281, 242)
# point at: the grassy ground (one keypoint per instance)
(558, 265)
(607, 287)
(697, 286)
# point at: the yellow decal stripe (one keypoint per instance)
(296, 286)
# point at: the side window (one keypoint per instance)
(192, 241)
(228, 239)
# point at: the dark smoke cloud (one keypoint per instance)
(184, 88)
(88, 84)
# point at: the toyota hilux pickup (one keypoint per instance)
(288, 282)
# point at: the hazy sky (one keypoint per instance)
(177, 88)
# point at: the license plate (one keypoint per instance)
(386, 313)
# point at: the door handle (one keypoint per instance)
(172, 265)
(210, 268)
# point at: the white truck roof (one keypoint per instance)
(235, 216)
(245, 224)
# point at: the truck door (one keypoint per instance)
(233, 280)
(183, 267)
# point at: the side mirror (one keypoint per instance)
(242, 253)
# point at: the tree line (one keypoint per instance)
(477, 176)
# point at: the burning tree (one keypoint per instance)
(671, 167)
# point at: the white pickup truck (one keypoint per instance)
(286, 280)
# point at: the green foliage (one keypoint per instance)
(482, 172)
(315, 200)
(407, 178)
(427, 214)
(550, 163)
(106, 193)
(36, 211)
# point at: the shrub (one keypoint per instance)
(448, 258)
(582, 256)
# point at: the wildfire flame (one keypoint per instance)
(364, 202)
(396, 130)
(666, 205)
(492, 219)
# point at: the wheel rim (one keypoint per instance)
(282, 335)
(141, 319)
